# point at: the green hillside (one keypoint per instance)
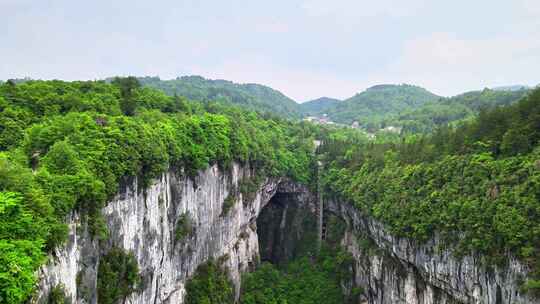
(249, 96)
(476, 185)
(318, 106)
(378, 102)
(451, 110)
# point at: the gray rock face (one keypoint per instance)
(145, 225)
(398, 270)
(392, 270)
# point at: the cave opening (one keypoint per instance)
(287, 229)
(292, 268)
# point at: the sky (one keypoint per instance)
(304, 48)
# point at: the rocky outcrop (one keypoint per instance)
(145, 222)
(389, 269)
(397, 270)
(287, 229)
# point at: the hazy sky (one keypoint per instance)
(305, 48)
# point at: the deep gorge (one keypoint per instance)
(277, 225)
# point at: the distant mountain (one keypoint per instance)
(378, 102)
(452, 110)
(318, 105)
(517, 87)
(250, 96)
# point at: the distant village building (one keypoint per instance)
(392, 129)
(311, 119)
(319, 120)
(324, 119)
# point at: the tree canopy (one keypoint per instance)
(67, 146)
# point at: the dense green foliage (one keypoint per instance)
(118, 276)
(184, 227)
(57, 295)
(318, 106)
(253, 97)
(210, 285)
(412, 108)
(68, 145)
(452, 110)
(378, 102)
(22, 236)
(304, 281)
(477, 185)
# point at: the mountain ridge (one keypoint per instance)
(252, 96)
(318, 105)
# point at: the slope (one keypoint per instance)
(454, 109)
(318, 106)
(249, 96)
(378, 102)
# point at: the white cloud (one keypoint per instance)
(299, 84)
(361, 8)
(530, 7)
(449, 65)
(271, 26)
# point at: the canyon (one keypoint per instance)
(275, 223)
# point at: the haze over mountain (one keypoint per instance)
(411, 107)
(516, 87)
(379, 100)
(451, 110)
(250, 96)
(317, 106)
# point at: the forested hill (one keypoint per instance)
(452, 110)
(379, 101)
(318, 106)
(250, 96)
(516, 87)
(476, 185)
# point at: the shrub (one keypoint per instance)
(118, 276)
(184, 227)
(228, 203)
(210, 285)
(57, 295)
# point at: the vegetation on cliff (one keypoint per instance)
(118, 276)
(476, 185)
(210, 285)
(306, 280)
(68, 145)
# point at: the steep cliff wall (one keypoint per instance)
(390, 270)
(397, 270)
(145, 223)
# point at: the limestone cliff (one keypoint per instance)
(390, 270)
(145, 222)
(399, 270)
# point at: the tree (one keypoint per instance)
(62, 159)
(210, 285)
(514, 142)
(118, 276)
(127, 85)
